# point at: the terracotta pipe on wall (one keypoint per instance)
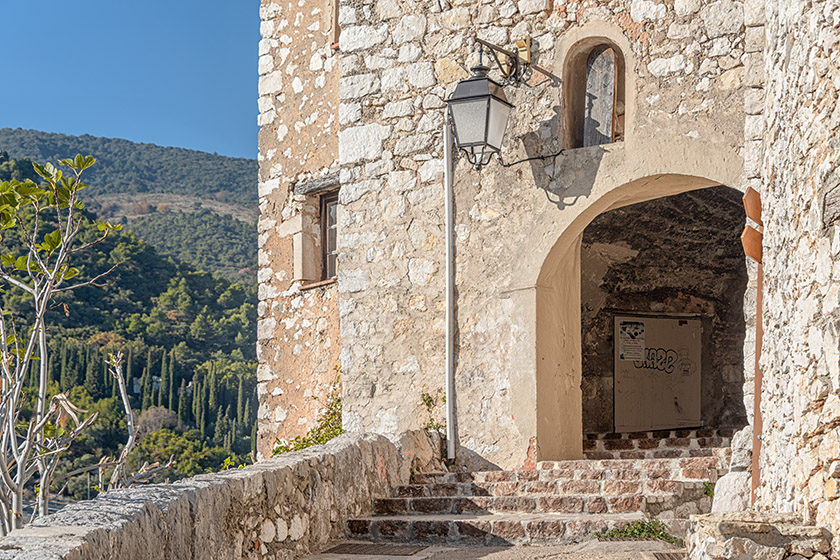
(752, 239)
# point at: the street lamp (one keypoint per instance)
(477, 116)
(479, 111)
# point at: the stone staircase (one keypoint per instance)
(558, 502)
(666, 444)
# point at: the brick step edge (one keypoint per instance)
(687, 469)
(665, 435)
(593, 504)
(666, 453)
(492, 532)
(560, 486)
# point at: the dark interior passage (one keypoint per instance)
(675, 255)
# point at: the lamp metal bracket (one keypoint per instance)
(514, 65)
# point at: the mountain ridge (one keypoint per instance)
(124, 166)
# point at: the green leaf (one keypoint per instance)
(71, 273)
(42, 171)
(7, 260)
(20, 263)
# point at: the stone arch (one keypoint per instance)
(557, 313)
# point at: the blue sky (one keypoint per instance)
(173, 73)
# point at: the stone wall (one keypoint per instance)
(277, 509)
(680, 254)
(752, 536)
(298, 342)
(800, 458)
(685, 94)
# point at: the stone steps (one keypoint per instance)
(653, 502)
(677, 469)
(701, 442)
(487, 529)
(562, 487)
(556, 503)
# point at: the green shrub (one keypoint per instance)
(641, 529)
(328, 427)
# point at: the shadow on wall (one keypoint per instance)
(567, 177)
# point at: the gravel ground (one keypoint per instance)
(591, 550)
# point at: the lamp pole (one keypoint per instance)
(448, 179)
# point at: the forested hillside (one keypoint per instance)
(204, 240)
(197, 207)
(188, 335)
(125, 167)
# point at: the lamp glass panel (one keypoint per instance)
(498, 119)
(470, 120)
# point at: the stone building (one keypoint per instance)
(638, 219)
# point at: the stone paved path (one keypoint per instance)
(591, 550)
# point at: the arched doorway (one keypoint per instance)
(675, 267)
(559, 362)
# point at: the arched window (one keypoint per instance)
(594, 95)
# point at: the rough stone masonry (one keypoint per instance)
(382, 322)
(713, 92)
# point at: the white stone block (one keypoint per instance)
(393, 79)
(398, 109)
(349, 113)
(361, 142)
(686, 7)
(643, 10)
(360, 37)
(420, 74)
(664, 66)
(532, 6)
(352, 192)
(271, 83)
(410, 28)
(360, 85)
(722, 17)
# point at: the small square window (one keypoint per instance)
(329, 235)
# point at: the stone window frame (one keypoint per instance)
(308, 235)
(574, 96)
(327, 201)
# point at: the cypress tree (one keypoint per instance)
(146, 389)
(148, 362)
(182, 403)
(254, 439)
(107, 378)
(92, 379)
(172, 379)
(201, 421)
(246, 415)
(63, 372)
(196, 397)
(163, 397)
(220, 428)
(212, 388)
(128, 367)
(65, 382)
(240, 400)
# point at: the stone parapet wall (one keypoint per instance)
(277, 509)
(755, 536)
